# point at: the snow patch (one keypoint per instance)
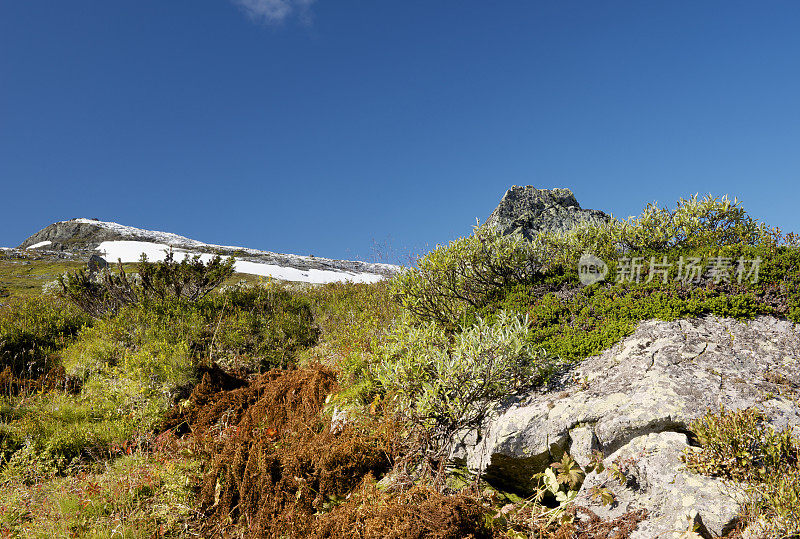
(40, 244)
(131, 251)
(181, 242)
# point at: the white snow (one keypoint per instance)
(40, 244)
(131, 251)
(307, 276)
(181, 242)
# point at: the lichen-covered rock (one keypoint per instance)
(658, 380)
(530, 211)
(656, 479)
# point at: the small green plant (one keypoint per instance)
(569, 472)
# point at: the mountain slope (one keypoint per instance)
(114, 242)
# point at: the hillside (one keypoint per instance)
(82, 237)
(488, 392)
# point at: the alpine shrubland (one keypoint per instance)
(164, 405)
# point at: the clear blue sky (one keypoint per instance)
(314, 127)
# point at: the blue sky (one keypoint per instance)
(319, 127)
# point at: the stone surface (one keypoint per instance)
(530, 211)
(677, 500)
(656, 381)
(96, 263)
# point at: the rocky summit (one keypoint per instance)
(530, 211)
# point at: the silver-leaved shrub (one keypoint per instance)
(446, 385)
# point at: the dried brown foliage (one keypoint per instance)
(274, 469)
(272, 460)
(419, 512)
(575, 523)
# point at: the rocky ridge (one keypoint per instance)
(84, 237)
(530, 211)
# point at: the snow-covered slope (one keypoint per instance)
(114, 242)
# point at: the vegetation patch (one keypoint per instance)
(741, 445)
(274, 460)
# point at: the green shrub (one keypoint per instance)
(261, 327)
(190, 279)
(446, 386)
(464, 274)
(354, 319)
(694, 224)
(591, 319)
(33, 331)
(54, 432)
(742, 445)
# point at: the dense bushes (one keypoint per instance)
(448, 386)
(106, 292)
(33, 331)
(464, 274)
(694, 224)
(463, 344)
(131, 364)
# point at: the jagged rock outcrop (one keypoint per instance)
(638, 400)
(530, 211)
(76, 235)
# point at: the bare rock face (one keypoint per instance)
(530, 211)
(656, 479)
(637, 400)
(72, 235)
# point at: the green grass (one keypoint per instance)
(133, 496)
(24, 278)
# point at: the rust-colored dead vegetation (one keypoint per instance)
(275, 469)
(272, 460)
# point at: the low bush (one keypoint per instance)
(588, 320)
(33, 331)
(741, 445)
(190, 279)
(446, 386)
(693, 224)
(452, 279)
(354, 320)
(260, 328)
